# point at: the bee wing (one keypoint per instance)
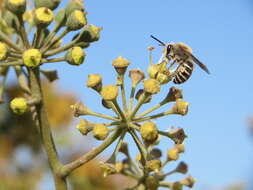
(202, 66)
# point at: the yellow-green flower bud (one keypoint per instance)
(75, 56)
(173, 94)
(151, 86)
(188, 181)
(172, 154)
(154, 165)
(100, 131)
(74, 5)
(180, 147)
(152, 183)
(153, 70)
(164, 77)
(76, 20)
(108, 169)
(176, 186)
(109, 93)
(119, 167)
(19, 106)
(136, 76)
(94, 82)
(182, 168)
(120, 64)
(79, 109)
(51, 4)
(90, 34)
(32, 58)
(107, 104)
(3, 51)
(16, 6)
(84, 127)
(180, 107)
(43, 17)
(142, 93)
(149, 132)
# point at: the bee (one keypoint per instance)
(180, 54)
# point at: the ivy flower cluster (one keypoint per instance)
(24, 51)
(147, 168)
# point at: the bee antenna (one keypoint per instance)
(162, 43)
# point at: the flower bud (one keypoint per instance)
(107, 168)
(180, 147)
(155, 153)
(75, 56)
(180, 107)
(17, 7)
(151, 183)
(176, 186)
(19, 106)
(50, 4)
(109, 93)
(173, 94)
(3, 51)
(90, 34)
(151, 86)
(188, 181)
(154, 165)
(51, 75)
(182, 168)
(107, 104)
(84, 127)
(136, 76)
(177, 135)
(120, 64)
(172, 154)
(163, 77)
(79, 109)
(149, 132)
(94, 82)
(153, 70)
(32, 58)
(43, 17)
(76, 20)
(142, 93)
(100, 131)
(72, 6)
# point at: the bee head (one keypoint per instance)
(168, 50)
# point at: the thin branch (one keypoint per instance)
(68, 168)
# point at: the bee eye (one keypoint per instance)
(168, 49)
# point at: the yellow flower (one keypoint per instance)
(32, 57)
(18, 106)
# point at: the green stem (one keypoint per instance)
(130, 104)
(157, 106)
(55, 40)
(68, 168)
(45, 131)
(53, 60)
(122, 115)
(140, 146)
(6, 40)
(140, 102)
(13, 63)
(37, 37)
(23, 33)
(123, 92)
(153, 116)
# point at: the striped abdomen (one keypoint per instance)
(183, 72)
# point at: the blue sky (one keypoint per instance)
(220, 32)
